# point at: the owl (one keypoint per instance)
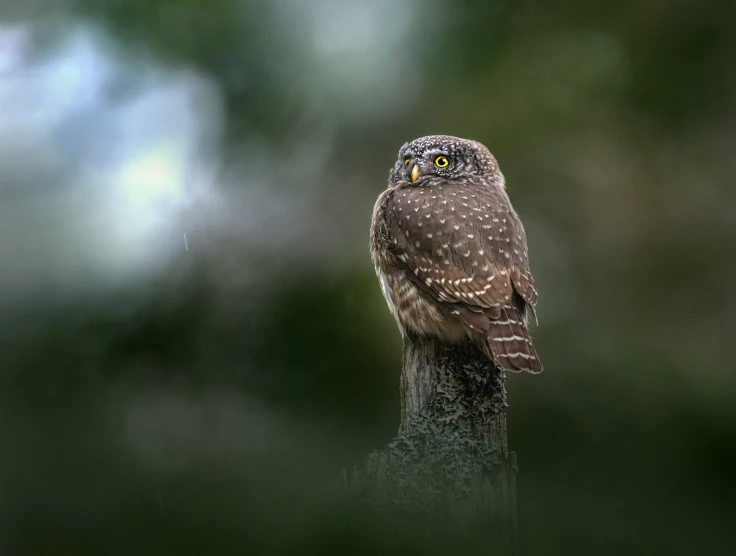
(450, 251)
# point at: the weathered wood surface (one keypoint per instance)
(449, 469)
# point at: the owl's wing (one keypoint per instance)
(523, 283)
(454, 247)
(521, 275)
(467, 252)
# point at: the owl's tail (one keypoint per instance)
(510, 343)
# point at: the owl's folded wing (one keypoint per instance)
(486, 288)
(456, 251)
(480, 293)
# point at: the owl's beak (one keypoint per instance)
(414, 173)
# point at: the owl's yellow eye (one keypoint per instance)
(441, 162)
(406, 161)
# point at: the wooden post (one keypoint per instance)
(449, 470)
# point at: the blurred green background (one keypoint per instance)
(192, 339)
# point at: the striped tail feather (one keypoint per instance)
(510, 343)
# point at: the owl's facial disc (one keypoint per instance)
(415, 166)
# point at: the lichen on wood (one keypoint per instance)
(449, 463)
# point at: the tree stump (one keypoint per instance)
(449, 470)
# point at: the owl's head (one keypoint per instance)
(436, 159)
